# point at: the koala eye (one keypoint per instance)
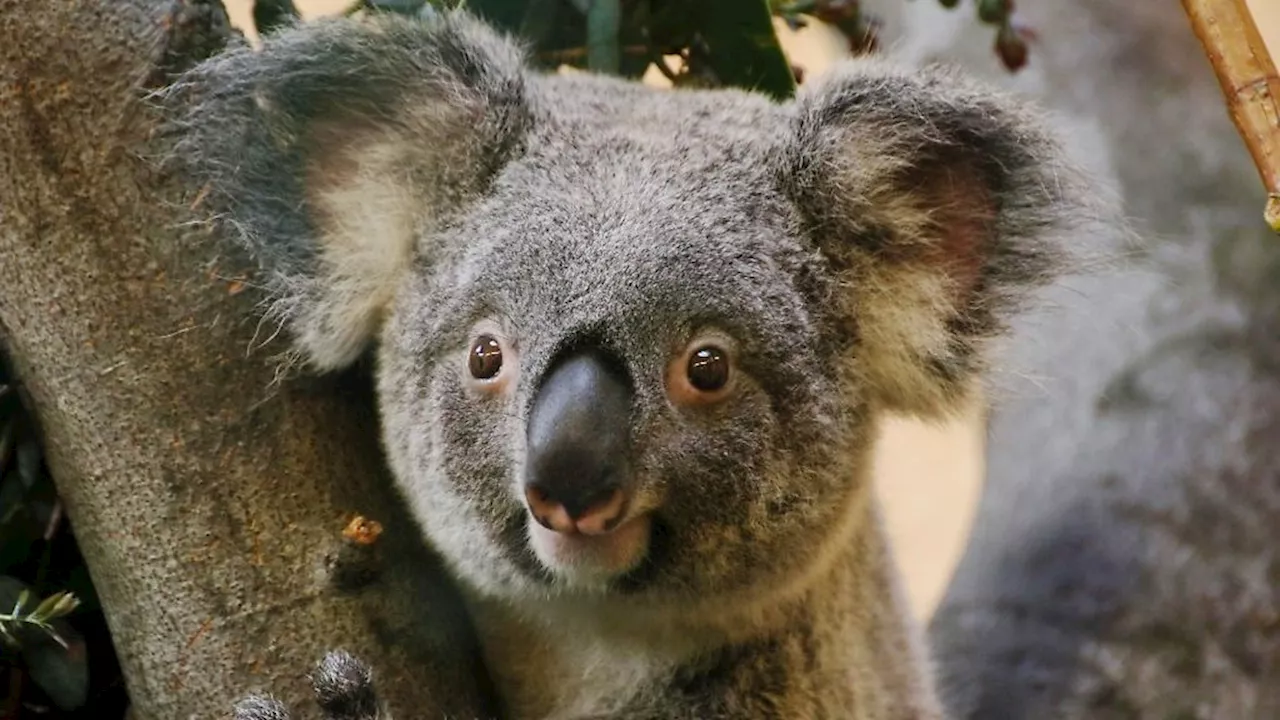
(708, 369)
(485, 358)
(492, 361)
(702, 374)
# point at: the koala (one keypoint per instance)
(1124, 559)
(632, 344)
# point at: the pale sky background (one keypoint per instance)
(1266, 13)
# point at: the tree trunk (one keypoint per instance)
(209, 497)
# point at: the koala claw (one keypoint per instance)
(343, 688)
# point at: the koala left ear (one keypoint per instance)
(333, 151)
(935, 200)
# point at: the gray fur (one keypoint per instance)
(343, 688)
(856, 247)
(1124, 558)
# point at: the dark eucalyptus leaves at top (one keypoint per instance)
(720, 42)
(269, 14)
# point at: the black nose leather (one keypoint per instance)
(579, 433)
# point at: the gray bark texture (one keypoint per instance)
(208, 497)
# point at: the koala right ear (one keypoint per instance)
(339, 145)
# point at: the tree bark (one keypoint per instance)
(209, 496)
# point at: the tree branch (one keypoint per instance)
(208, 498)
(1249, 81)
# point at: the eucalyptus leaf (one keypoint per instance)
(268, 15)
(18, 530)
(604, 25)
(401, 7)
(559, 34)
(79, 583)
(634, 67)
(10, 589)
(29, 455)
(54, 606)
(743, 47)
(8, 435)
(505, 15)
(637, 54)
(62, 672)
(540, 19)
(12, 494)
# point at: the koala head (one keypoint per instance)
(630, 342)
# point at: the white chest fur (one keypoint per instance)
(572, 661)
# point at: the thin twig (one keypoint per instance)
(1249, 81)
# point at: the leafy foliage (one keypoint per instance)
(718, 42)
(56, 657)
(41, 616)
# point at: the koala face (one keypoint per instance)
(618, 342)
(630, 342)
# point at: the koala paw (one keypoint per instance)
(343, 688)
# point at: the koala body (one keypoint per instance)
(1123, 562)
(632, 344)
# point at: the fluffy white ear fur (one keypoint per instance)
(373, 194)
(909, 295)
(332, 151)
(366, 227)
(936, 200)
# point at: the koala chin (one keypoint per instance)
(633, 344)
(591, 561)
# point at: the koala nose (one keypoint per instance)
(579, 438)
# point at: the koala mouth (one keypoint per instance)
(592, 560)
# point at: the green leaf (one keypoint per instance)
(637, 53)
(604, 25)
(54, 606)
(401, 7)
(78, 583)
(271, 14)
(29, 458)
(24, 597)
(44, 610)
(505, 15)
(59, 664)
(8, 433)
(13, 500)
(540, 20)
(743, 47)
